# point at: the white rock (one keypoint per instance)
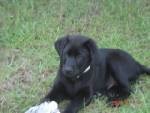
(46, 107)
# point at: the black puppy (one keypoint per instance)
(86, 70)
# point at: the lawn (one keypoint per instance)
(29, 62)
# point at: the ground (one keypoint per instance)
(29, 62)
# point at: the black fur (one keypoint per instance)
(110, 73)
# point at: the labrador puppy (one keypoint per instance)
(85, 71)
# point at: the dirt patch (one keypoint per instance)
(22, 73)
(8, 56)
(21, 77)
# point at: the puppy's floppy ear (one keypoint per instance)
(60, 45)
(93, 49)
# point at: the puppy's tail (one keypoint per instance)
(145, 70)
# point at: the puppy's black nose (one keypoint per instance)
(68, 71)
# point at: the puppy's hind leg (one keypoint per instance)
(120, 76)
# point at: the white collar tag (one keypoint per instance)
(87, 69)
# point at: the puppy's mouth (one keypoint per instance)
(78, 75)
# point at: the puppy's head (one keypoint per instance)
(77, 53)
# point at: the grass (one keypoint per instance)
(28, 60)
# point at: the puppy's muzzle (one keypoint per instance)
(68, 71)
